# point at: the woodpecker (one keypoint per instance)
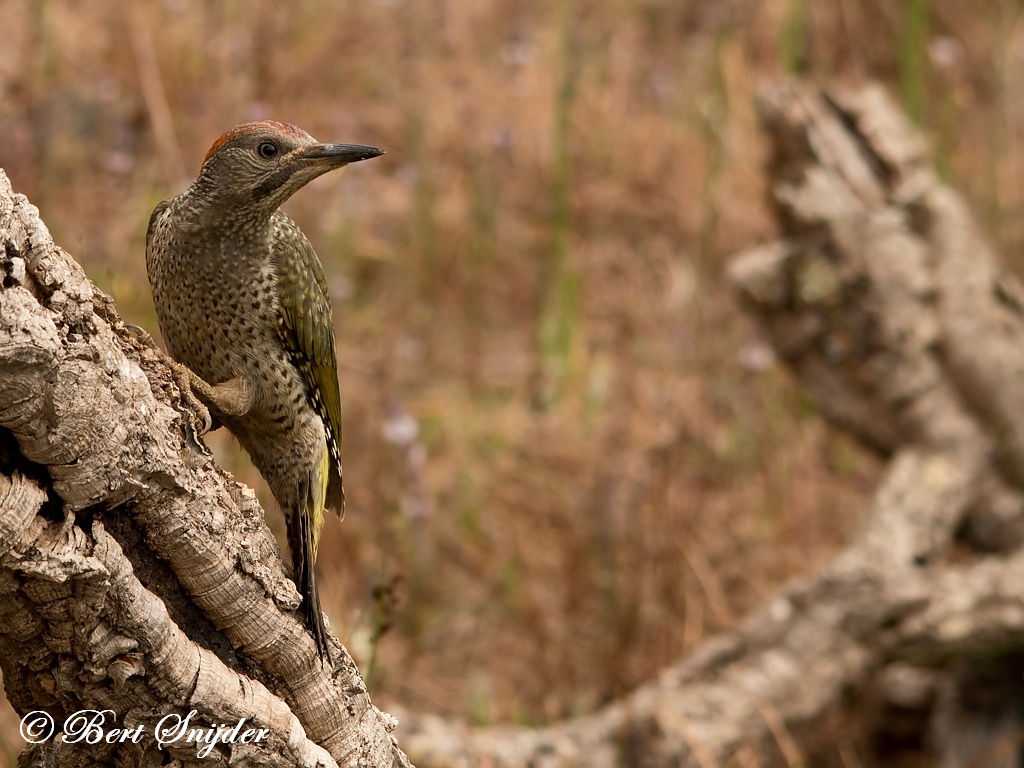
(242, 302)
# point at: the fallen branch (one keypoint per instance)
(891, 312)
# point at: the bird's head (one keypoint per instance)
(257, 166)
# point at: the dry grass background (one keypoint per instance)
(569, 457)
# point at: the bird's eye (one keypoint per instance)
(267, 150)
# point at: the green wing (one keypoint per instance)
(308, 332)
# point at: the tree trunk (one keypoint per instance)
(135, 577)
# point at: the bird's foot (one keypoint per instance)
(185, 380)
(188, 382)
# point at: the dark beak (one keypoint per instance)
(341, 154)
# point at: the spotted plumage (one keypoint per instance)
(242, 301)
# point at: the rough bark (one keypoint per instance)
(893, 315)
(134, 576)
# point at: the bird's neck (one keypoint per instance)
(204, 210)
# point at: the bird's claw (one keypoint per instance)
(183, 378)
(141, 334)
(195, 445)
(199, 411)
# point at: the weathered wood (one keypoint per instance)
(890, 310)
(134, 575)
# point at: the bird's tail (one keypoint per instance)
(304, 527)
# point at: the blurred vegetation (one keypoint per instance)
(569, 457)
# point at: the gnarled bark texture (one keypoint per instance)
(134, 576)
